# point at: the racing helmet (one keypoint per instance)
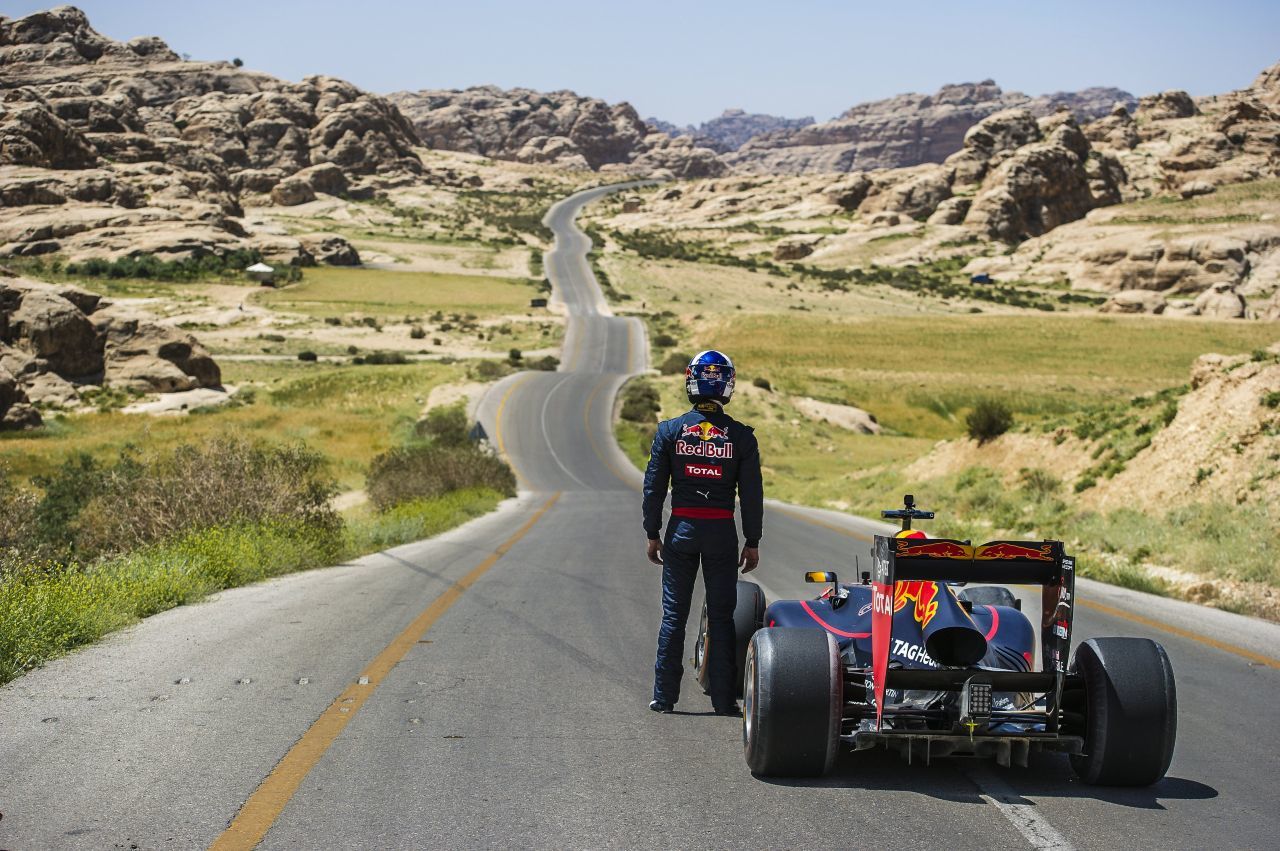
(709, 377)
(911, 533)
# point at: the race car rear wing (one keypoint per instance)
(1042, 563)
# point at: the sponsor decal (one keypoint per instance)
(704, 431)
(863, 611)
(704, 450)
(1060, 629)
(1068, 563)
(921, 592)
(1004, 551)
(704, 471)
(933, 549)
(881, 603)
(914, 652)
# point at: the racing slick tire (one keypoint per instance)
(1130, 711)
(989, 595)
(748, 616)
(793, 701)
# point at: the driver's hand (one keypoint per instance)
(654, 550)
(750, 559)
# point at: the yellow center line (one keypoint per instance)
(264, 806)
(1089, 604)
(595, 447)
(497, 425)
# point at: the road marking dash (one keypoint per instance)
(266, 803)
(1022, 814)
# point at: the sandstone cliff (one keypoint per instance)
(905, 130)
(731, 129)
(561, 128)
(113, 147)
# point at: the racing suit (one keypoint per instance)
(705, 455)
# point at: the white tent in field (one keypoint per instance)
(262, 273)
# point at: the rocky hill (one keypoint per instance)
(906, 130)
(57, 343)
(110, 148)
(731, 129)
(1172, 207)
(560, 128)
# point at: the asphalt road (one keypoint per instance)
(488, 688)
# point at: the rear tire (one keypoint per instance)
(1130, 711)
(748, 616)
(793, 702)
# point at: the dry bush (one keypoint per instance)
(227, 481)
(433, 470)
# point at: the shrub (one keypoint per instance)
(640, 402)
(226, 482)
(308, 356)
(487, 370)
(445, 426)
(515, 356)
(423, 472)
(664, 341)
(673, 364)
(989, 419)
(762, 383)
(417, 332)
(385, 358)
(546, 364)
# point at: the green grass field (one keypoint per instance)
(920, 374)
(338, 291)
(349, 413)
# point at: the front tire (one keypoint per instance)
(1130, 711)
(748, 616)
(793, 702)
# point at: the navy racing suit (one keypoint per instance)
(707, 458)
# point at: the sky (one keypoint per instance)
(687, 61)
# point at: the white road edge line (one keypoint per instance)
(547, 435)
(1024, 817)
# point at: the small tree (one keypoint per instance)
(989, 419)
(238, 62)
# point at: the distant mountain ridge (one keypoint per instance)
(907, 129)
(731, 129)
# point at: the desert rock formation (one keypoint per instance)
(157, 153)
(905, 130)
(56, 341)
(561, 128)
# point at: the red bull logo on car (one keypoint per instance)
(933, 549)
(1005, 550)
(923, 593)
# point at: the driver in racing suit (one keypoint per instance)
(706, 456)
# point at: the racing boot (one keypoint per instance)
(660, 706)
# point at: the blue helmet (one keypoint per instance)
(709, 376)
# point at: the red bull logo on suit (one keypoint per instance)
(712, 441)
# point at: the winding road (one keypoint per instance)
(488, 688)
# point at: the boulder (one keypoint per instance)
(951, 211)
(1174, 103)
(795, 247)
(915, 196)
(155, 359)
(292, 191)
(326, 178)
(53, 329)
(49, 388)
(1192, 188)
(16, 411)
(1220, 301)
(329, 249)
(1135, 301)
(849, 192)
(1117, 130)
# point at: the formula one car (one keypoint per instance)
(910, 658)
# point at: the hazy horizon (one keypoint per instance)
(686, 63)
